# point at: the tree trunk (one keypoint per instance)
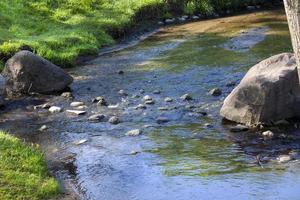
(292, 8)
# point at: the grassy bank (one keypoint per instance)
(23, 172)
(60, 30)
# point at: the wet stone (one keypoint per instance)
(43, 106)
(168, 99)
(120, 72)
(43, 128)
(162, 120)
(147, 98)
(186, 97)
(268, 134)
(67, 95)
(150, 102)
(76, 104)
(76, 112)
(81, 107)
(114, 120)
(140, 107)
(285, 158)
(239, 128)
(135, 132)
(215, 92)
(96, 118)
(122, 93)
(142, 91)
(156, 92)
(55, 109)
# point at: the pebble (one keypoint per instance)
(150, 102)
(195, 17)
(208, 125)
(81, 107)
(147, 98)
(140, 106)
(76, 112)
(102, 102)
(168, 99)
(160, 23)
(55, 109)
(134, 152)
(156, 92)
(186, 97)
(142, 91)
(163, 108)
(135, 96)
(239, 128)
(120, 72)
(43, 106)
(96, 118)
(76, 104)
(268, 134)
(43, 128)
(215, 92)
(135, 132)
(114, 120)
(81, 142)
(113, 106)
(122, 92)
(284, 158)
(67, 95)
(162, 120)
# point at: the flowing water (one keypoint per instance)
(194, 155)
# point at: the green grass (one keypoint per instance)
(60, 30)
(23, 172)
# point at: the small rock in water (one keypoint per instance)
(122, 92)
(76, 104)
(55, 109)
(208, 125)
(147, 98)
(268, 134)
(284, 158)
(231, 84)
(81, 107)
(76, 112)
(160, 23)
(142, 91)
(239, 128)
(162, 120)
(43, 128)
(135, 132)
(195, 17)
(43, 106)
(150, 102)
(114, 120)
(163, 108)
(186, 97)
(96, 118)
(134, 152)
(67, 95)
(215, 92)
(113, 106)
(168, 99)
(81, 142)
(156, 92)
(120, 72)
(141, 106)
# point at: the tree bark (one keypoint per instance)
(292, 8)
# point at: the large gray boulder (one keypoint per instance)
(27, 73)
(269, 92)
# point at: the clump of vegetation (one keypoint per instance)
(23, 173)
(60, 30)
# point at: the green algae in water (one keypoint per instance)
(208, 153)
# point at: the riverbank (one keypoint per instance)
(62, 31)
(24, 172)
